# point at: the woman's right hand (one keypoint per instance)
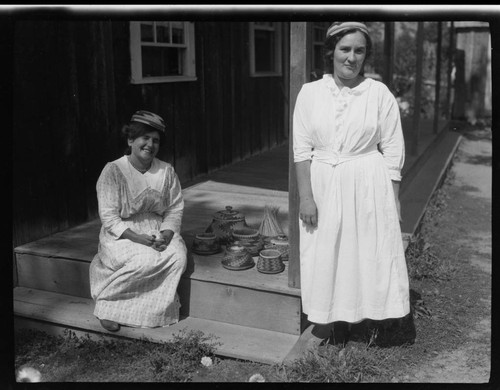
(308, 213)
(145, 239)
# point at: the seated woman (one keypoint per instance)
(141, 255)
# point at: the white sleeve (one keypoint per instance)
(392, 143)
(172, 218)
(109, 202)
(302, 141)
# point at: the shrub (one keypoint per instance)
(334, 364)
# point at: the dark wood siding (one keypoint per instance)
(72, 93)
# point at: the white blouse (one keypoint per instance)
(124, 192)
(335, 125)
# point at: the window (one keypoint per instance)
(265, 49)
(162, 52)
(318, 39)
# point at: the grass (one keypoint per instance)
(353, 364)
(422, 261)
(81, 359)
(73, 358)
(175, 361)
(448, 296)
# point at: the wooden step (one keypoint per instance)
(47, 310)
(246, 298)
(60, 263)
(417, 192)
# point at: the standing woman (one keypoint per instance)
(348, 153)
(141, 255)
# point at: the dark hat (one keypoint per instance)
(150, 119)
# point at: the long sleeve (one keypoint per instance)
(172, 218)
(108, 197)
(391, 135)
(302, 141)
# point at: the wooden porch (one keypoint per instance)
(255, 316)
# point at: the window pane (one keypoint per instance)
(162, 32)
(147, 32)
(318, 58)
(319, 34)
(264, 53)
(268, 24)
(177, 32)
(161, 61)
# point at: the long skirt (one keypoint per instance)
(353, 264)
(134, 284)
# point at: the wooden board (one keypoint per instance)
(79, 243)
(237, 341)
(200, 206)
(240, 306)
(57, 275)
(209, 268)
(228, 188)
(201, 202)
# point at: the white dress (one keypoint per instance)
(353, 264)
(131, 283)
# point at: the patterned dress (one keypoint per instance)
(353, 264)
(131, 283)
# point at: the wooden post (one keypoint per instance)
(299, 65)
(438, 79)
(418, 88)
(451, 52)
(460, 91)
(389, 54)
(286, 78)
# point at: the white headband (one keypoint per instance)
(337, 27)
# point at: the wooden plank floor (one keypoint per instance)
(267, 170)
(263, 184)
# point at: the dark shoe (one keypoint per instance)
(110, 326)
(340, 333)
(322, 331)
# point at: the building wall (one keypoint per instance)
(72, 95)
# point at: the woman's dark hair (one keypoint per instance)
(135, 130)
(331, 43)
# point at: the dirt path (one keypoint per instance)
(469, 196)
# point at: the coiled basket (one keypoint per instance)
(270, 262)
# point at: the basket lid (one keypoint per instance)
(229, 215)
(280, 240)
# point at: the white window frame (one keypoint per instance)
(189, 60)
(277, 29)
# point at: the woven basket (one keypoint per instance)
(206, 244)
(237, 258)
(249, 238)
(279, 243)
(270, 262)
(247, 234)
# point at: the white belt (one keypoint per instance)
(333, 158)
